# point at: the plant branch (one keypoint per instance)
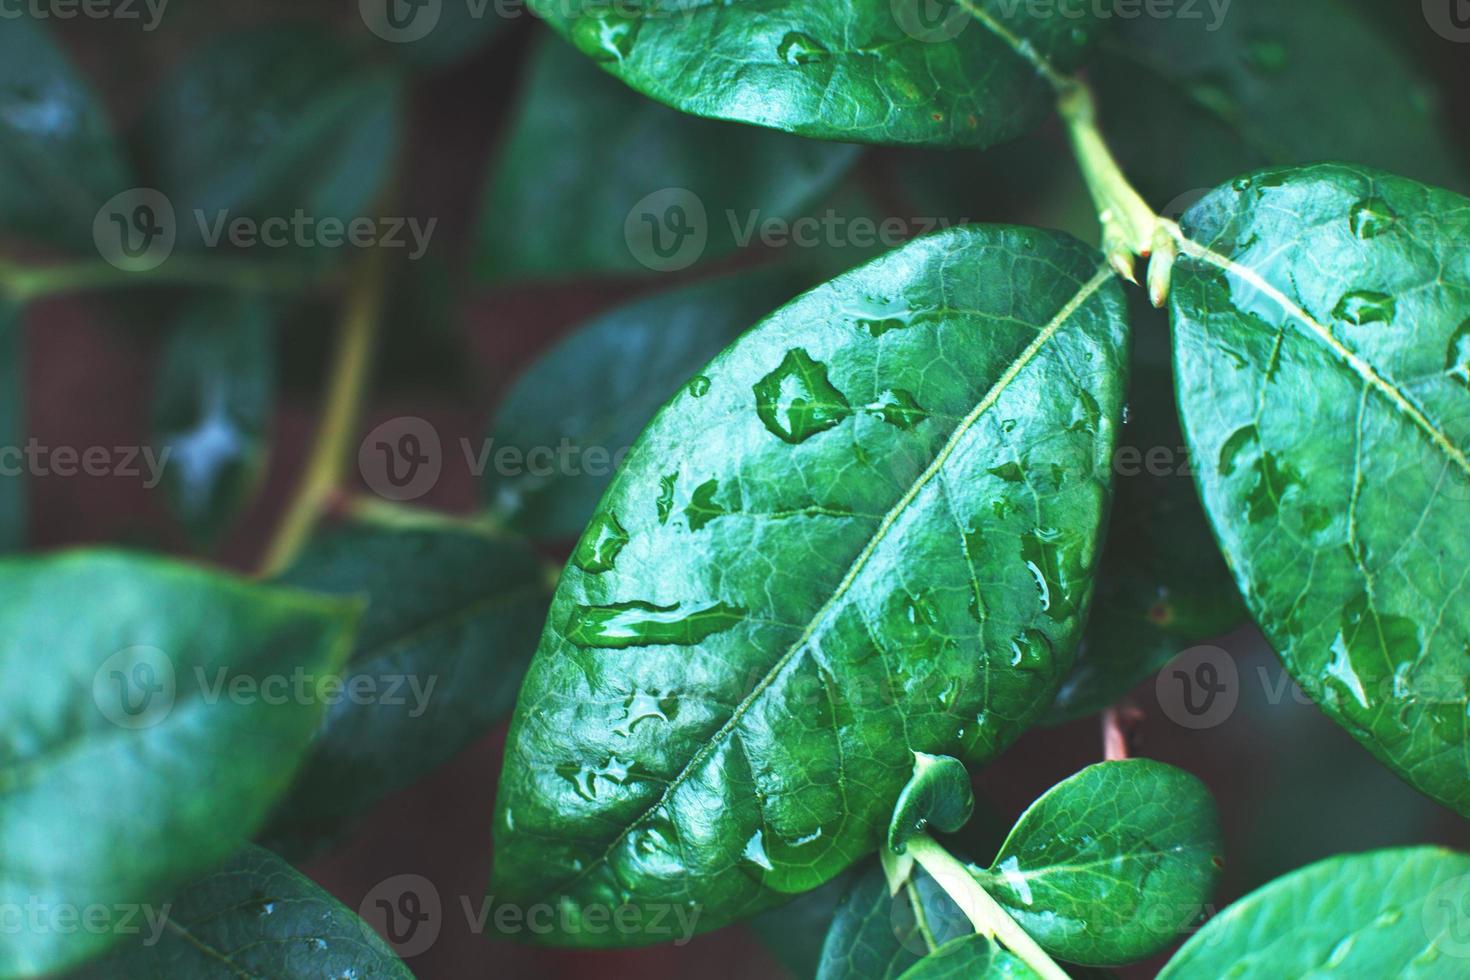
(26, 283)
(984, 912)
(362, 312)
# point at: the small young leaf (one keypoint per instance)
(211, 408)
(59, 159)
(870, 72)
(569, 198)
(876, 935)
(263, 123)
(1322, 347)
(938, 795)
(968, 958)
(150, 727)
(597, 389)
(453, 616)
(782, 588)
(1109, 865)
(1391, 913)
(13, 505)
(254, 916)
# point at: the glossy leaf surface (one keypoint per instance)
(938, 795)
(876, 935)
(59, 160)
(255, 916)
(598, 388)
(596, 179)
(869, 530)
(866, 71)
(1110, 865)
(970, 957)
(452, 619)
(144, 675)
(1393, 913)
(212, 405)
(1322, 346)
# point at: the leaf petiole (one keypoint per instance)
(984, 912)
(24, 283)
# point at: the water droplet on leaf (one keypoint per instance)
(796, 401)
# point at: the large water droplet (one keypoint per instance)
(642, 706)
(1371, 217)
(1031, 650)
(1047, 561)
(755, 852)
(699, 386)
(1241, 441)
(606, 33)
(1009, 472)
(703, 507)
(797, 48)
(665, 502)
(599, 547)
(1457, 357)
(1362, 306)
(899, 408)
(1086, 415)
(634, 624)
(796, 401)
(879, 327)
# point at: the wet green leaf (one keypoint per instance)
(159, 724)
(938, 795)
(1392, 913)
(453, 616)
(1110, 865)
(961, 74)
(212, 406)
(794, 600)
(59, 159)
(876, 935)
(255, 916)
(968, 958)
(1321, 326)
(596, 390)
(596, 179)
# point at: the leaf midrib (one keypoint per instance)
(1088, 289)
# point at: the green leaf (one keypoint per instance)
(453, 616)
(211, 408)
(159, 722)
(13, 506)
(597, 389)
(1391, 913)
(780, 597)
(938, 795)
(255, 916)
(1110, 865)
(596, 179)
(1162, 586)
(876, 935)
(871, 71)
(1322, 344)
(1198, 100)
(59, 159)
(794, 932)
(266, 122)
(968, 958)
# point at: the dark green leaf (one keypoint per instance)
(13, 505)
(594, 392)
(968, 958)
(873, 71)
(1162, 586)
(1322, 344)
(255, 916)
(264, 123)
(1394, 913)
(780, 598)
(59, 159)
(1111, 864)
(794, 932)
(452, 619)
(212, 405)
(596, 179)
(938, 795)
(160, 720)
(1195, 101)
(876, 935)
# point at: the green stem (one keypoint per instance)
(332, 449)
(987, 915)
(25, 283)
